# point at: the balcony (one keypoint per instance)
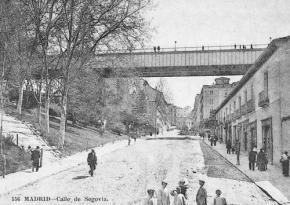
(244, 109)
(250, 106)
(263, 99)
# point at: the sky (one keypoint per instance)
(213, 22)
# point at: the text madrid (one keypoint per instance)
(47, 198)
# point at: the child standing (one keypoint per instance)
(218, 200)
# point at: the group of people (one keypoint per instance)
(180, 195)
(35, 157)
(232, 149)
(213, 139)
(258, 159)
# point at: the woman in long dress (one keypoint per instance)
(261, 160)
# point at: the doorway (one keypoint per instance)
(267, 138)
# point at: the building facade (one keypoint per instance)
(257, 110)
(211, 97)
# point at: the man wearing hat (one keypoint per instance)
(163, 195)
(201, 196)
(92, 161)
(149, 200)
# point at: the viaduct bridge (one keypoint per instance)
(186, 61)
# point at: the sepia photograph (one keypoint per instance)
(144, 102)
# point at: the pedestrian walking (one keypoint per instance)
(149, 198)
(92, 161)
(229, 146)
(218, 200)
(215, 139)
(252, 159)
(154, 48)
(158, 48)
(129, 140)
(201, 196)
(261, 160)
(35, 157)
(285, 163)
(238, 149)
(163, 195)
(211, 140)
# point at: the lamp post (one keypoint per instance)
(175, 45)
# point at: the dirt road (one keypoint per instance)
(123, 176)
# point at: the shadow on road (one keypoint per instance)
(172, 138)
(80, 177)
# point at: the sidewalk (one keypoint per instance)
(23, 178)
(271, 180)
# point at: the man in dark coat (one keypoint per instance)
(201, 196)
(211, 140)
(92, 162)
(252, 159)
(215, 139)
(229, 146)
(35, 157)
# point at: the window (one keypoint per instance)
(211, 101)
(234, 105)
(252, 91)
(266, 83)
(211, 92)
(246, 96)
(226, 94)
(240, 102)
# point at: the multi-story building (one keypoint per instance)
(257, 110)
(183, 117)
(211, 97)
(195, 114)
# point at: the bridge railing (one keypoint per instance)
(181, 49)
(190, 57)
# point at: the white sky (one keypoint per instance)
(214, 22)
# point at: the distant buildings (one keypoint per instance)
(211, 96)
(183, 117)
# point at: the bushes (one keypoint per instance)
(16, 158)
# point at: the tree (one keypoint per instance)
(163, 87)
(18, 46)
(74, 30)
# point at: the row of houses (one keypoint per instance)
(256, 110)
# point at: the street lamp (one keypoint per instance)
(175, 45)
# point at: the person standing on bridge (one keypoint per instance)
(92, 162)
(163, 195)
(201, 196)
(158, 48)
(229, 146)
